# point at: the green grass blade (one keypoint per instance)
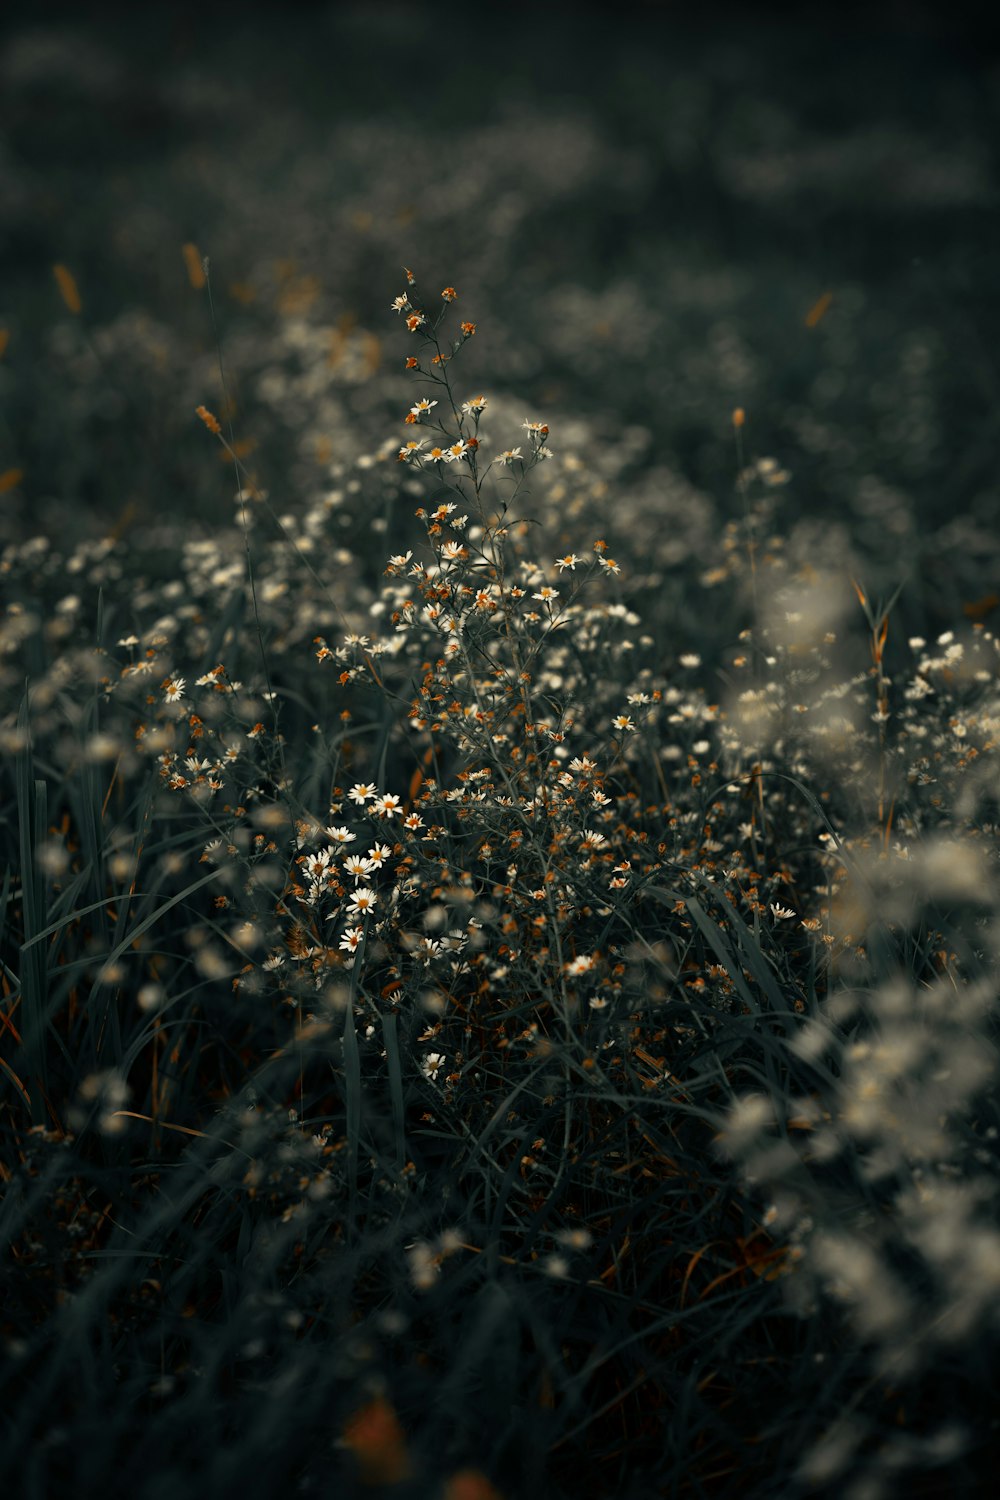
(32, 815)
(352, 1104)
(716, 941)
(391, 1038)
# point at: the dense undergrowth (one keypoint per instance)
(463, 1036)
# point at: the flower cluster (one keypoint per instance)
(481, 870)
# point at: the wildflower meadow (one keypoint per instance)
(499, 969)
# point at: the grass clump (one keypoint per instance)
(461, 1040)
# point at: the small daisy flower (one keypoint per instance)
(432, 1065)
(351, 940)
(317, 865)
(363, 901)
(415, 321)
(438, 456)
(387, 806)
(474, 407)
(581, 964)
(508, 456)
(624, 723)
(569, 561)
(449, 294)
(592, 839)
(546, 594)
(575, 1239)
(358, 866)
(173, 688)
(399, 304)
(362, 792)
(781, 913)
(378, 854)
(340, 835)
(422, 407)
(459, 449)
(411, 450)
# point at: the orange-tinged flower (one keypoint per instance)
(449, 294)
(819, 310)
(470, 1484)
(468, 329)
(68, 289)
(195, 266)
(212, 423)
(739, 417)
(377, 1441)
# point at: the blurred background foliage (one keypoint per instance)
(656, 214)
